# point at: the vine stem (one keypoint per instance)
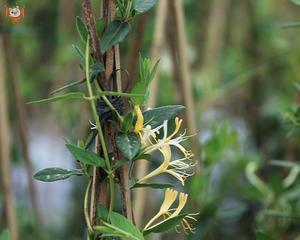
(98, 125)
(86, 214)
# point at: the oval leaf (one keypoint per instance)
(129, 144)
(142, 6)
(114, 33)
(85, 157)
(56, 174)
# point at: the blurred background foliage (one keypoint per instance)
(245, 71)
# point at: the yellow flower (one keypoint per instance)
(167, 213)
(150, 142)
(175, 168)
(140, 119)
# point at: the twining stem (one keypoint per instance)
(98, 125)
(86, 202)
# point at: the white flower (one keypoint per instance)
(167, 213)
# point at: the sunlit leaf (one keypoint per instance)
(114, 33)
(56, 174)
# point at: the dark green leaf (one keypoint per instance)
(67, 96)
(119, 221)
(157, 116)
(129, 144)
(153, 185)
(85, 157)
(102, 212)
(81, 28)
(166, 225)
(56, 174)
(114, 33)
(142, 6)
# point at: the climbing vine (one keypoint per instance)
(139, 134)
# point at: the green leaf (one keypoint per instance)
(100, 25)
(142, 6)
(157, 116)
(67, 96)
(122, 223)
(114, 33)
(5, 235)
(102, 213)
(56, 174)
(72, 84)
(166, 225)
(146, 75)
(86, 157)
(97, 68)
(152, 185)
(127, 123)
(79, 52)
(129, 144)
(81, 28)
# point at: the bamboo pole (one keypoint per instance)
(157, 44)
(181, 63)
(215, 38)
(23, 128)
(5, 159)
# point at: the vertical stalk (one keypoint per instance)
(5, 158)
(99, 128)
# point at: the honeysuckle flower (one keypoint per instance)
(177, 168)
(165, 213)
(149, 136)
